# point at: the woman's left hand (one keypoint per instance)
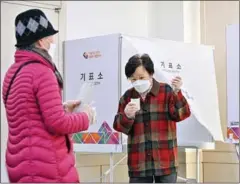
(177, 83)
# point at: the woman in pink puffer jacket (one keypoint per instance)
(39, 147)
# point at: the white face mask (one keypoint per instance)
(52, 50)
(141, 86)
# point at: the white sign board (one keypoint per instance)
(96, 61)
(232, 40)
(195, 65)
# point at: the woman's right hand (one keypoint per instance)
(91, 112)
(130, 110)
(70, 105)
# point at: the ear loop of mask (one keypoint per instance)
(44, 41)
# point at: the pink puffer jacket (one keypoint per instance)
(39, 128)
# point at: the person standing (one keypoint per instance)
(39, 146)
(151, 124)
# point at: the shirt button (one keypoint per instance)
(149, 154)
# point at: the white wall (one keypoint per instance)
(165, 20)
(92, 18)
(161, 19)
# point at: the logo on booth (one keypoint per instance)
(85, 55)
(92, 55)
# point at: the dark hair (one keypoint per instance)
(139, 60)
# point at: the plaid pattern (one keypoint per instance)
(152, 139)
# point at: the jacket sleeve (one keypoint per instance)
(121, 122)
(177, 105)
(51, 108)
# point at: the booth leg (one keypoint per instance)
(197, 165)
(237, 150)
(111, 168)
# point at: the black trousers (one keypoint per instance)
(171, 178)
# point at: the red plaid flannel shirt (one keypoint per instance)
(152, 140)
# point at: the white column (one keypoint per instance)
(192, 34)
(174, 20)
(191, 22)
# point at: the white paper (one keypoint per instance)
(86, 98)
(85, 95)
(136, 101)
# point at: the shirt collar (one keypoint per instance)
(155, 88)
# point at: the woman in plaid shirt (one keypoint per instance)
(151, 128)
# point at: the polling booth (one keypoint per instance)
(232, 41)
(94, 71)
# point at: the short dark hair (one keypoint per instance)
(139, 60)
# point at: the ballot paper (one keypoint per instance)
(136, 101)
(85, 96)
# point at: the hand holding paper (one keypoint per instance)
(176, 83)
(131, 109)
(86, 98)
(69, 106)
(90, 111)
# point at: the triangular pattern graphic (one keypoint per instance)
(89, 139)
(108, 134)
(236, 131)
(113, 139)
(104, 128)
(115, 136)
(96, 137)
(84, 137)
(77, 138)
(230, 131)
(105, 135)
(102, 139)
